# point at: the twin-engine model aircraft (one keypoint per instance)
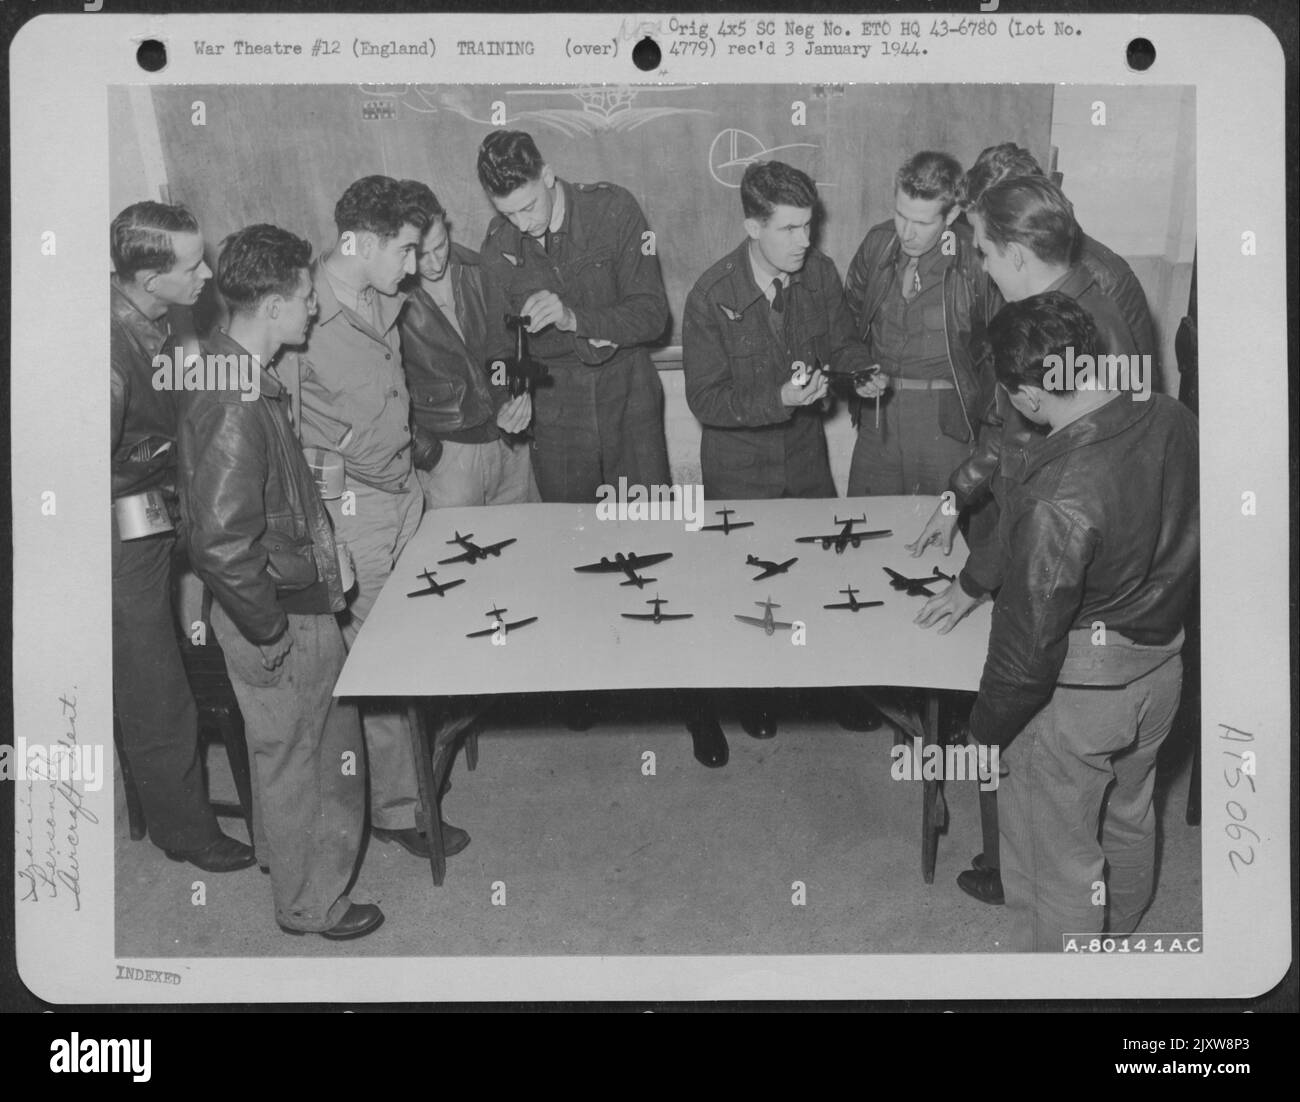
(846, 536)
(917, 587)
(628, 564)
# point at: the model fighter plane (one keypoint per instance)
(853, 604)
(628, 564)
(499, 624)
(846, 535)
(727, 526)
(657, 616)
(767, 622)
(769, 568)
(437, 589)
(917, 587)
(473, 552)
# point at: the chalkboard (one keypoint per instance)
(284, 153)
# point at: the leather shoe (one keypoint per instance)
(758, 724)
(983, 884)
(710, 743)
(357, 921)
(453, 839)
(226, 854)
(978, 862)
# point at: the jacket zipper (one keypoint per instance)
(947, 344)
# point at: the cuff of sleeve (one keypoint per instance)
(971, 586)
(276, 635)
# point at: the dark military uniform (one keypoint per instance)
(737, 354)
(600, 416)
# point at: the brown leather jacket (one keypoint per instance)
(1099, 524)
(446, 372)
(258, 534)
(970, 299)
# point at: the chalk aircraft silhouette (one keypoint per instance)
(728, 525)
(917, 587)
(437, 589)
(628, 564)
(769, 568)
(657, 616)
(846, 536)
(767, 622)
(473, 552)
(853, 604)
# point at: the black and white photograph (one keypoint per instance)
(724, 524)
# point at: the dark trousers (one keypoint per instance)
(152, 699)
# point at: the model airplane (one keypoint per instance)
(846, 535)
(727, 526)
(766, 621)
(499, 624)
(435, 588)
(769, 568)
(853, 604)
(629, 564)
(917, 587)
(657, 616)
(473, 552)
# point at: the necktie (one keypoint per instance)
(911, 280)
(778, 296)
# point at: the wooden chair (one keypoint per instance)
(218, 716)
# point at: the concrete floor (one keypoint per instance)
(598, 859)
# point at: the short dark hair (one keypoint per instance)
(995, 164)
(507, 160)
(1023, 334)
(258, 261)
(421, 197)
(378, 205)
(141, 237)
(767, 185)
(930, 175)
(1030, 211)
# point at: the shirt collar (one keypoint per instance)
(330, 305)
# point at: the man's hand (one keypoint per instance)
(873, 387)
(544, 308)
(275, 653)
(813, 390)
(953, 604)
(941, 528)
(514, 416)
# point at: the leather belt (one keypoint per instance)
(900, 383)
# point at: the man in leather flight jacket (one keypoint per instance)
(158, 260)
(1099, 530)
(920, 300)
(262, 542)
(1027, 234)
(463, 426)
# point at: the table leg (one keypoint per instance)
(428, 816)
(934, 809)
